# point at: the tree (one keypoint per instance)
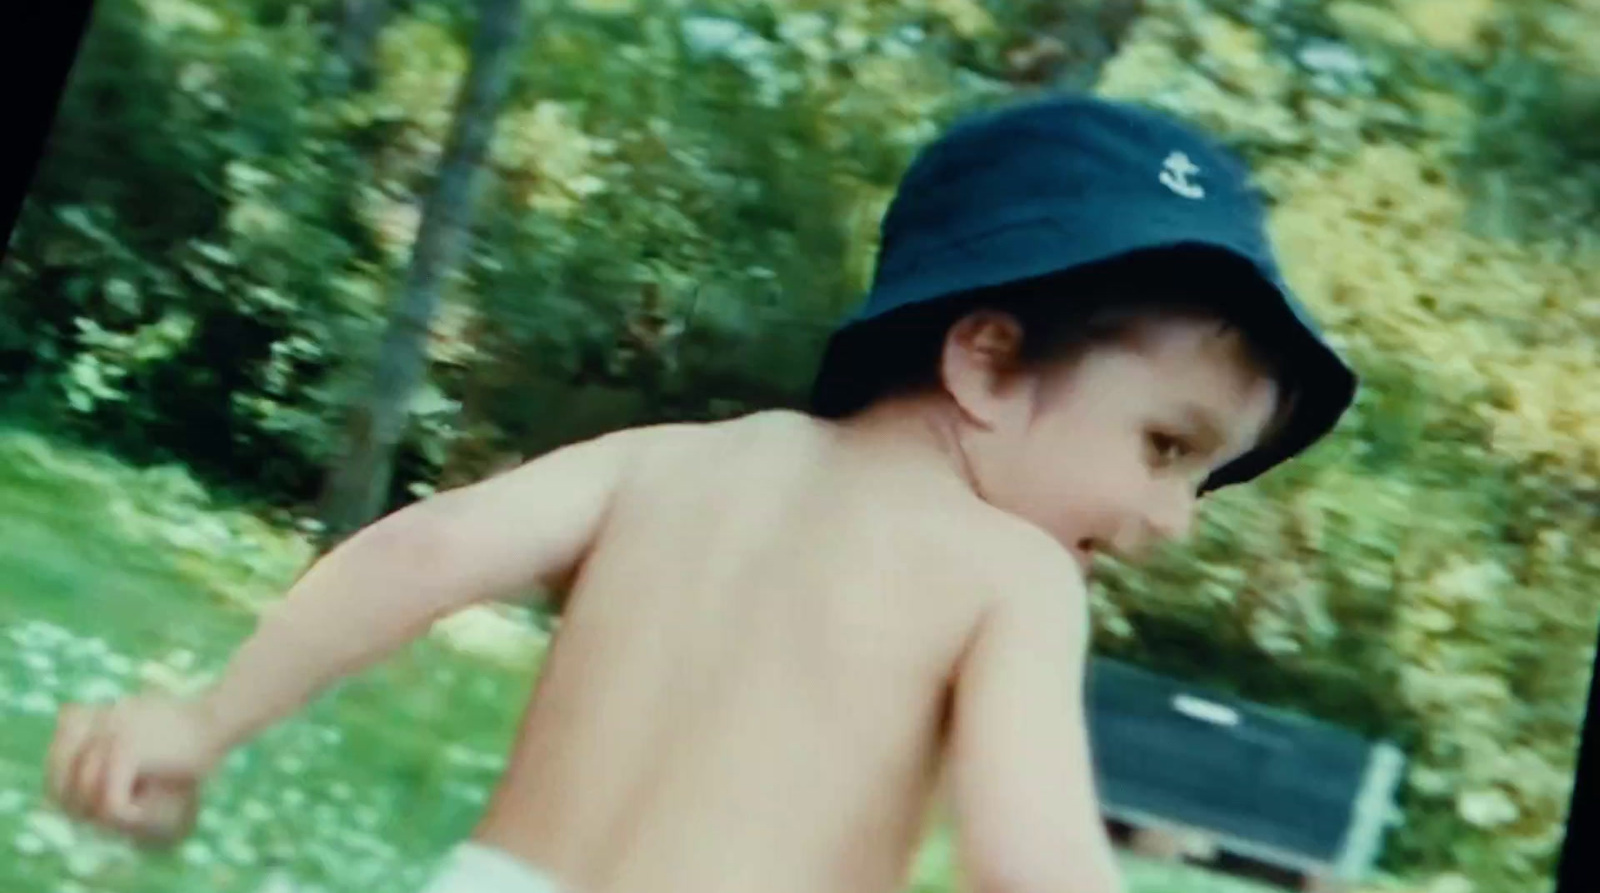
(354, 493)
(357, 38)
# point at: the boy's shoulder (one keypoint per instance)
(1030, 565)
(1010, 566)
(671, 457)
(1035, 609)
(666, 435)
(992, 550)
(710, 442)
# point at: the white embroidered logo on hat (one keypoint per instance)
(1175, 174)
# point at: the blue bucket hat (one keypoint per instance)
(1052, 186)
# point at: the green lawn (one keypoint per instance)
(109, 576)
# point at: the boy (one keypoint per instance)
(780, 630)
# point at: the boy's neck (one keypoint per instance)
(912, 436)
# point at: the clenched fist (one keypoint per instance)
(134, 767)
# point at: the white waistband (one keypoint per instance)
(476, 868)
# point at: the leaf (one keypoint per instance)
(123, 295)
(1490, 808)
(430, 401)
(79, 218)
(204, 276)
(215, 253)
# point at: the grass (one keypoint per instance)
(111, 578)
(99, 594)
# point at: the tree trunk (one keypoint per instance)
(357, 485)
(357, 41)
(1072, 44)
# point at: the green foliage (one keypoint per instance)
(187, 273)
(1538, 124)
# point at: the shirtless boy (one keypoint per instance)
(781, 630)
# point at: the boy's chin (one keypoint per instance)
(1085, 557)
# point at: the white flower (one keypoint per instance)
(709, 36)
(278, 882)
(52, 829)
(210, 823)
(851, 40)
(37, 634)
(28, 844)
(238, 851)
(83, 862)
(730, 40)
(801, 27)
(98, 689)
(1450, 883)
(586, 185)
(163, 676)
(468, 758)
(36, 702)
(898, 48)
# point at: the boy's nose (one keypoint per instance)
(1164, 518)
(1171, 517)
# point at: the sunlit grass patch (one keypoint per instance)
(361, 792)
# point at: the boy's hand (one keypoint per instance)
(134, 767)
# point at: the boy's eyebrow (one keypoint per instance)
(1204, 422)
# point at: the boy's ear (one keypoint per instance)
(982, 351)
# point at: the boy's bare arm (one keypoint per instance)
(1024, 786)
(380, 589)
(384, 587)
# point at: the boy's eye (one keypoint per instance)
(1168, 450)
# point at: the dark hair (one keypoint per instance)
(1065, 314)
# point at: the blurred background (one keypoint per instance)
(288, 264)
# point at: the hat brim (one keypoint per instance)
(1037, 246)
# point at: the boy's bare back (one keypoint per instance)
(759, 661)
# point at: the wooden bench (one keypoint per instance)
(1193, 775)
